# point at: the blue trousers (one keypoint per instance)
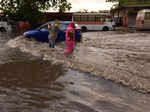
(51, 43)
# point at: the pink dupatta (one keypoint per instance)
(70, 41)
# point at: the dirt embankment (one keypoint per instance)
(123, 58)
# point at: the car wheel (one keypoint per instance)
(2, 29)
(30, 38)
(105, 28)
(84, 29)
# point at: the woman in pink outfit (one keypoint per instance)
(70, 39)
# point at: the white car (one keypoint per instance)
(143, 20)
(4, 25)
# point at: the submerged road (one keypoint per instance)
(31, 81)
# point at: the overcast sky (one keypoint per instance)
(91, 5)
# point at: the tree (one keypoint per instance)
(119, 2)
(62, 6)
(82, 11)
(115, 1)
(116, 7)
(112, 0)
(30, 10)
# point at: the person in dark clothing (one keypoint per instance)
(53, 33)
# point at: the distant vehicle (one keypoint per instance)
(41, 33)
(94, 21)
(143, 20)
(4, 25)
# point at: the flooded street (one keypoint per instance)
(35, 78)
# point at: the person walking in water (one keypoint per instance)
(70, 39)
(53, 33)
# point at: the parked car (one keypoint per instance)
(143, 20)
(41, 33)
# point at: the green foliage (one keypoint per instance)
(62, 6)
(30, 10)
(82, 11)
(120, 2)
(112, 0)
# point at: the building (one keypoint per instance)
(50, 16)
(129, 11)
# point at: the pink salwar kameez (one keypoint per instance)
(70, 39)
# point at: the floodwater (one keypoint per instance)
(30, 84)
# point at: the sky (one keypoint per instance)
(90, 5)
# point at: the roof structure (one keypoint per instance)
(136, 3)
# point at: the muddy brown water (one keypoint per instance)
(30, 84)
